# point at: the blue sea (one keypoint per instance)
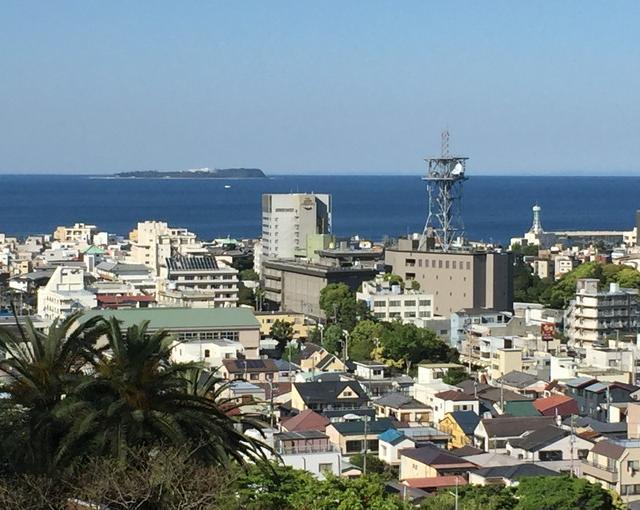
(494, 208)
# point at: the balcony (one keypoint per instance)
(600, 472)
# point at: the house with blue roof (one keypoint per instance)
(390, 443)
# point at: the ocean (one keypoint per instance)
(493, 208)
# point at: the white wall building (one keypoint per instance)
(210, 352)
(153, 242)
(287, 220)
(596, 315)
(197, 282)
(80, 234)
(64, 294)
(391, 302)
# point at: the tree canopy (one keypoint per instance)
(282, 332)
(340, 306)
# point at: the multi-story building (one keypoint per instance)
(197, 282)
(137, 276)
(193, 325)
(154, 241)
(80, 234)
(596, 315)
(295, 286)
(64, 294)
(457, 279)
(392, 302)
(288, 219)
(297, 321)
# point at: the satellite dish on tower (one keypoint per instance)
(458, 169)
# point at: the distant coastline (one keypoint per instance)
(200, 173)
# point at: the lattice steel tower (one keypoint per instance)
(445, 175)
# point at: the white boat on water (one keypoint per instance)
(227, 186)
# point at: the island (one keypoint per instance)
(199, 173)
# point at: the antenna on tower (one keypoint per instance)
(445, 175)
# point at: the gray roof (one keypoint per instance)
(120, 268)
(300, 435)
(327, 392)
(202, 263)
(519, 380)
(399, 400)
(597, 426)
(356, 427)
(431, 454)
(540, 438)
(515, 472)
(608, 449)
(514, 426)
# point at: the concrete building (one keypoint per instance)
(295, 286)
(297, 321)
(137, 276)
(210, 352)
(288, 219)
(457, 279)
(79, 234)
(197, 282)
(310, 450)
(392, 302)
(64, 294)
(154, 241)
(596, 315)
(193, 324)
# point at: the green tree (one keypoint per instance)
(332, 339)
(374, 464)
(40, 370)
(455, 376)
(249, 274)
(473, 497)
(394, 279)
(341, 307)
(628, 277)
(138, 397)
(561, 493)
(282, 332)
(363, 338)
(246, 296)
(408, 344)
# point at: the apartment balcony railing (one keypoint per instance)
(304, 450)
(600, 472)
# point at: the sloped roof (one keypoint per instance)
(556, 404)
(327, 392)
(356, 427)
(393, 436)
(515, 472)
(608, 449)
(497, 394)
(455, 396)
(241, 366)
(399, 400)
(509, 426)
(434, 456)
(519, 379)
(306, 420)
(540, 438)
(436, 482)
(467, 420)
(520, 408)
(580, 382)
(466, 451)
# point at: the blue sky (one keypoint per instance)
(338, 87)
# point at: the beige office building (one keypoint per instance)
(457, 280)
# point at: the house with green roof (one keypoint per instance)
(194, 325)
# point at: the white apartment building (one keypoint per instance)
(154, 241)
(391, 302)
(287, 220)
(64, 294)
(563, 264)
(209, 352)
(596, 315)
(79, 234)
(197, 282)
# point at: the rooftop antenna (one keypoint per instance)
(445, 175)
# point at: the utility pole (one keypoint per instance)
(573, 444)
(364, 458)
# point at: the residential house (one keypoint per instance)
(401, 407)
(615, 464)
(350, 436)
(210, 352)
(507, 475)
(429, 461)
(460, 425)
(452, 400)
(314, 358)
(493, 434)
(390, 443)
(309, 450)
(552, 447)
(252, 370)
(435, 483)
(524, 383)
(320, 396)
(592, 396)
(305, 420)
(556, 405)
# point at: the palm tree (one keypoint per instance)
(39, 369)
(139, 397)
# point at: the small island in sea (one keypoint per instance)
(198, 173)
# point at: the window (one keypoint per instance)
(633, 465)
(325, 467)
(354, 446)
(394, 303)
(425, 302)
(254, 377)
(582, 454)
(551, 455)
(207, 353)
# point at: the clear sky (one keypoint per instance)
(528, 87)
